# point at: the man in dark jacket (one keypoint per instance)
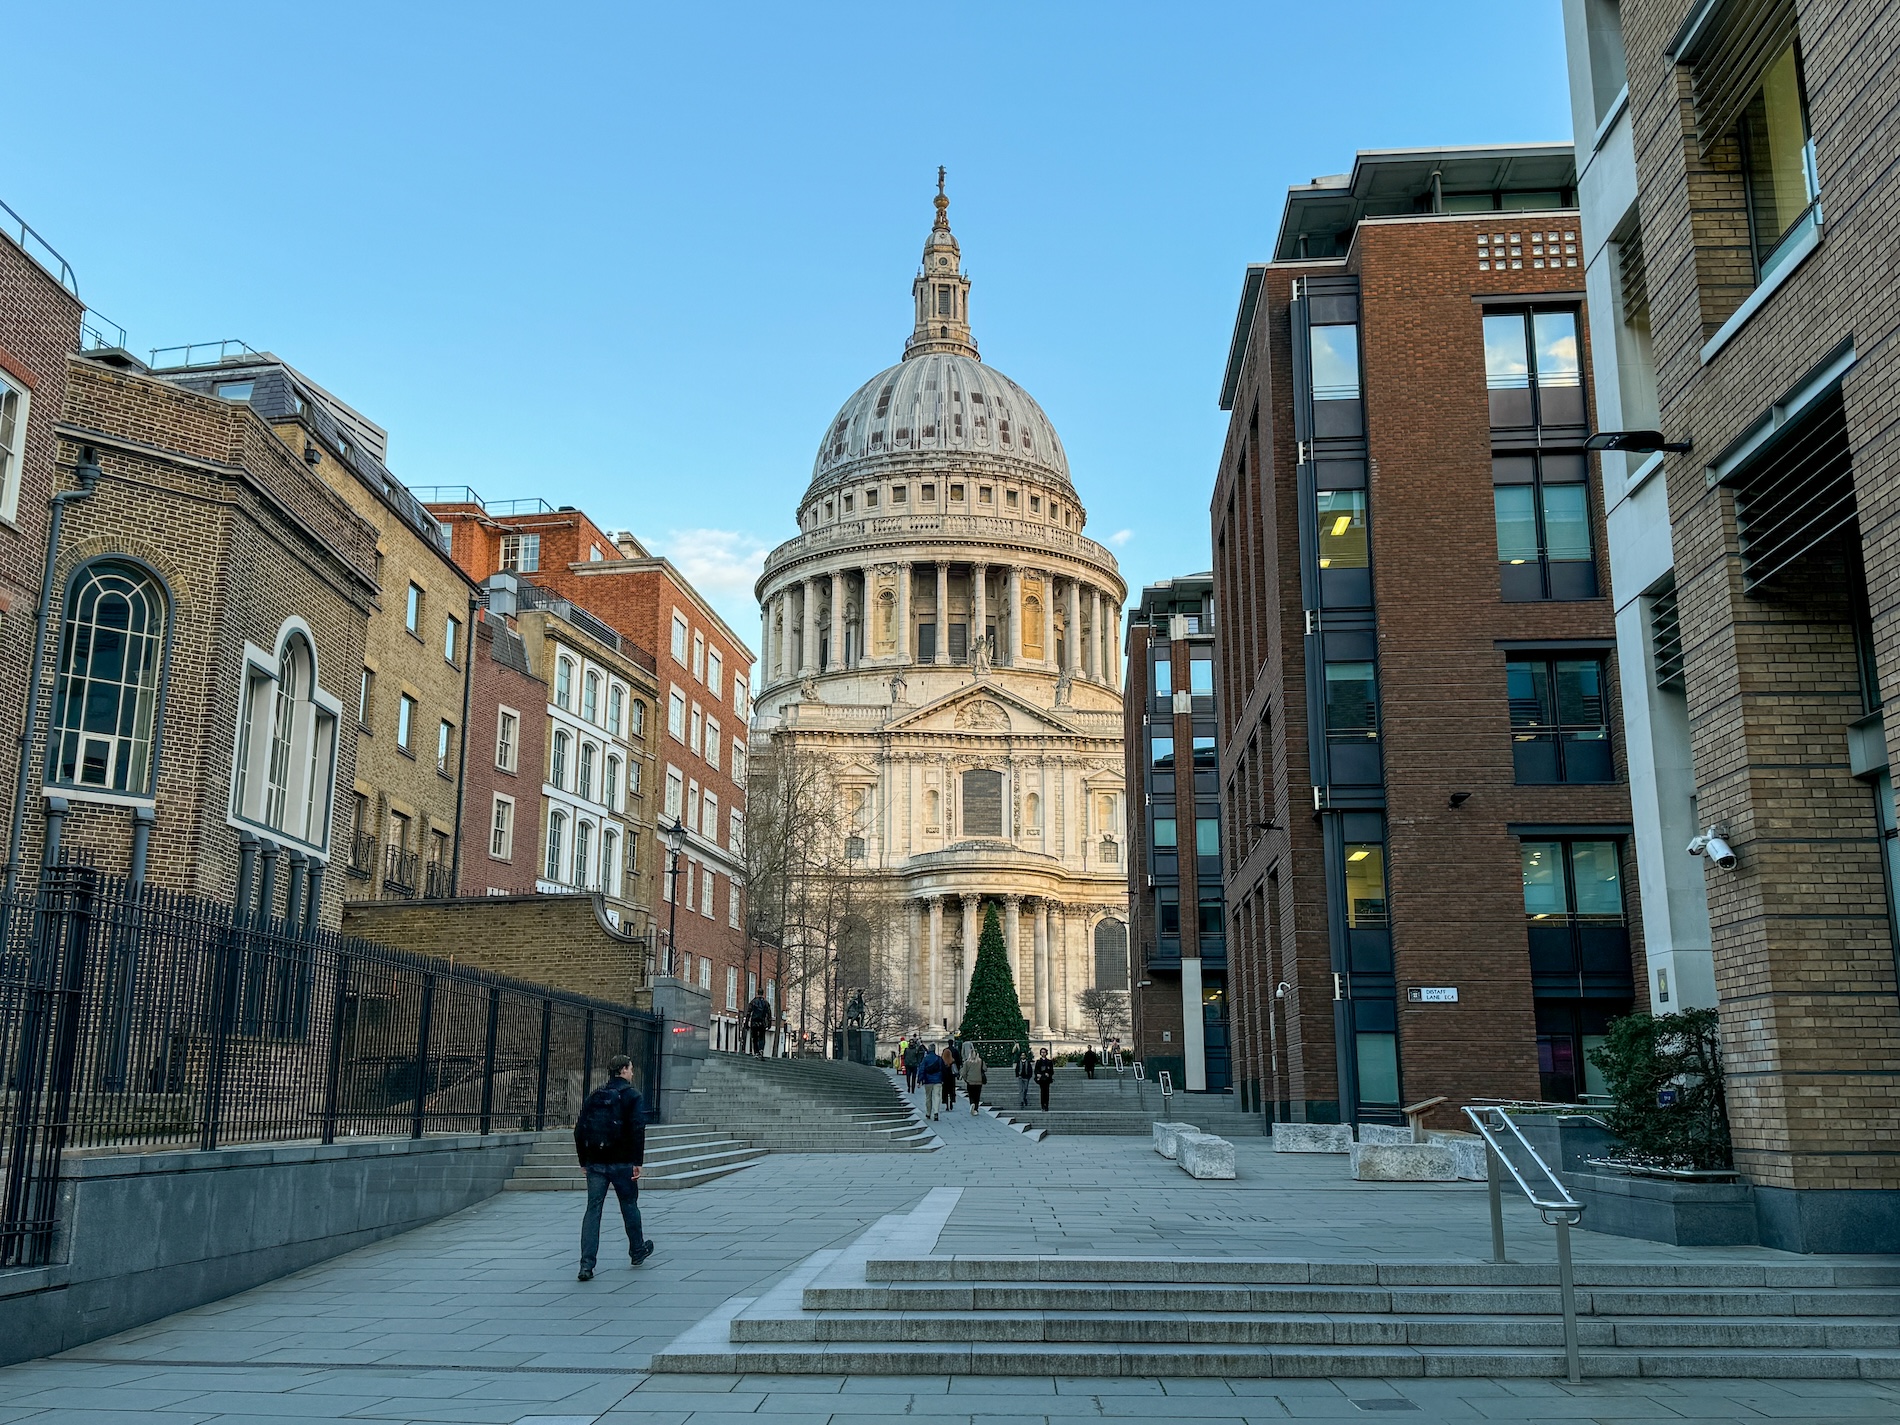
(610, 1138)
(930, 1075)
(913, 1056)
(1045, 1075)
(758, 1018)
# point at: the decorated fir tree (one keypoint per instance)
(992, 1015)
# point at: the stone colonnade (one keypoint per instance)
(790, 646)
(1050, 957)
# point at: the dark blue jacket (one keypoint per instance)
(931, 1070)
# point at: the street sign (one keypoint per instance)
(1665, 1098)
(1432, 994)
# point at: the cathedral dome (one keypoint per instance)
(940, 409)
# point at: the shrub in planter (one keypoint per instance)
(1665, 1073)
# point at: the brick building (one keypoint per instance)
(40, 319)
(507, 751)
(1740, 217)
(403, 812)
(212, 595)
(702, 674)
(1427, 827)
(1174, 827)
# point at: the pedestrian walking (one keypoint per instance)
(913, 1056)
(952, 1058)
(1045, 1075)
(610, 1138)
(758, 1018)
(975, 1071)
(1089, 1060)
(1025, 1071)
(930, 1075)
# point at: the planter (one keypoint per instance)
(1684, 1214)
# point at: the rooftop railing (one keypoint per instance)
(39, 249)
(202, 353)
(97, 333)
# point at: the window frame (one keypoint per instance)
(406, 707)
(412, 609)
(507, 747)
(1514, 589)
(13, 430)
(148, 692)
(501, 828)
(305, 810)
(1557, 733)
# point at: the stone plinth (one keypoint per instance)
(1384, 1133)
(1312, 1137)
(1403, 1163)
(1202, 1155)
(1168, 1134)
(1467, 1152)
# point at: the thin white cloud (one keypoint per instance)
(723, 564)
(1121, 537)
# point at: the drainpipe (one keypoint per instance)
(87, 472)
(56, 809)
(142, 821)
(469, 645)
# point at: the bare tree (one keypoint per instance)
(1107, 1010)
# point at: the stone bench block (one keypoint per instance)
(1166, 1135)
(1467, 1152)
(1403, 1163)
(1312, 1137)
(1202, 1155)
(1384, 1133)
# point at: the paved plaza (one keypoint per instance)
(478, 1318)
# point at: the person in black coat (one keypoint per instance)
(1045, 1075)
(1089, 1060)
(610, 1139)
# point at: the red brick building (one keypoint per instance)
(501, 783)
(704, 673)
(1427, 864)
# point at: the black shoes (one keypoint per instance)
(646, 1250)
(586, 1274)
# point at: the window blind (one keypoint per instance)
(1798, 493)
(1727, 53)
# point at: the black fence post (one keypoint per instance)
(488, 1059)
(658, 1062)
(587, 1053)
(227, 964)
(422, 1053)
(333, 1072)
(541, 1088)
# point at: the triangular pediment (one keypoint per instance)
(983, 710)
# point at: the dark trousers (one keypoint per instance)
(949, 1091)
(910, 1077)
(1089, 1069)
(758, 1040)
(1045, 1096)
(974, 1092)
(600, 1177)
(1024, 1100)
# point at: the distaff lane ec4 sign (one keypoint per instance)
(1432, 994)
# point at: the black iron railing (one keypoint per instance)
(362, 854)
(139, 1018)
(400, 871)
(436, 884)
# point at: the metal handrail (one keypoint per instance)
(1561, 1212)
(27, 239)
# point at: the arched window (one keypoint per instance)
(286, 753)
(557, 764)
(610, 861)
(590, 697)
(557, 836)
(610, 788)
(616, 708)
(1111, 956)
(583, 850)
(587, 771)
(105, 704)
(564, 682)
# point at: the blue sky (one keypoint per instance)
(633, 258)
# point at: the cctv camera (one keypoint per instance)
(1720, 852)
(1698, 844)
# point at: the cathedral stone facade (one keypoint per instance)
(941, 629)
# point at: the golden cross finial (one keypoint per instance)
(943, 204)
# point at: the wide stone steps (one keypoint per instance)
(806, 1106)
(679, 1155)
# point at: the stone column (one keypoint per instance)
(808, 650)
(972, 933)
(768, 606)
(1049, 618)
(1092, 651)
(1040, 992)
(943, 613)
(1115, 646)
(1073, 609)
(979, 603)
(936, 963)
(1011, 904)
(1015, 616)
(836, 660)
(903, 612)
(913, 949)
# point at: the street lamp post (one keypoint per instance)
(675, 843)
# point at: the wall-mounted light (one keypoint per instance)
(1637, 442)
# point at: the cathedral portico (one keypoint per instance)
(941, 627)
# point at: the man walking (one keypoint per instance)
(1025, 1071)
(1045, 1075)
(1089, 1060)
(610, 1138)
(758, 1018)
(975, 1071)
(913, 1056)
(930, 1075)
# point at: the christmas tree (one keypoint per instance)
(992, 1015)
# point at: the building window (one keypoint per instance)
(956, 492)
(412, 613)
(610, 860)
(739, 694)
(590, 697)
(1163, 679)
(1335, 354)
(1784, 188)
(706, 909)
(610, 785)
(736, 767)
(13, 404)
(697, 739)
(557, 836)
(675, 792)
(692, 804)
(405, 722)
(564, 683)
(583, 854)
(676, 714)
(699, 656)
(616, 708)
(586, 781)
(507, 739)
(1352, 713)
(680, 630)
(364, 697)
(1166, 835)
(709, 818)
(1201, 677)
(501, 835)
(444, 736)
(286, 760)
(1161, 754)
(735, 831)
(1542, 507)
(521, 553)
(633, 778)
(451, 637)
(1345, 554)
(557, 759)
(1207, 836)
(712, 742)
(105, 704)
(639, 718)
(705, 966)
(715, 672)
(1559, 720)
(732, 980)
(1533, 367)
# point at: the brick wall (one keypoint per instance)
(498, 685)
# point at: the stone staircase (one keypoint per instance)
(1078, 1104)
(806, 1106)
(679, 1155)
(869, 1311)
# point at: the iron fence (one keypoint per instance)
(132, 1017)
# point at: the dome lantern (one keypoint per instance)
(941, 292)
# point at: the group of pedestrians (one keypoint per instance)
(938, 1071)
